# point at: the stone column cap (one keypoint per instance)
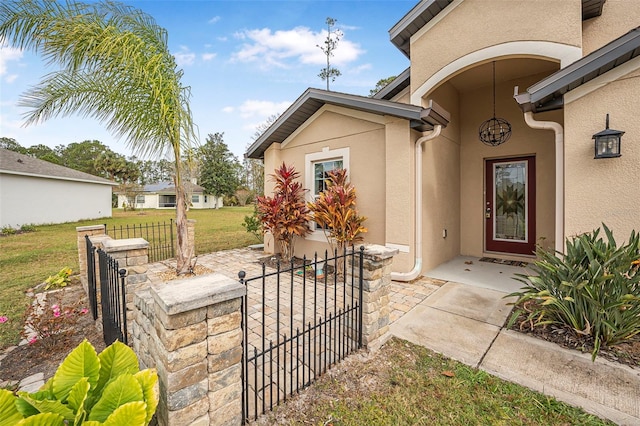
(378, 252)
(90, 228)
(125, 244)
(184, 295)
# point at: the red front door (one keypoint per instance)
(510, 205)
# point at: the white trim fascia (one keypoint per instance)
(435, 20)
(325, 154)
(11, 172)
(563, 53)
(602, 80)
(362, 115)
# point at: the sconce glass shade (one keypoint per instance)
(607, 142)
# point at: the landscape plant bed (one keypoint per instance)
(625, 353)
(328, 270)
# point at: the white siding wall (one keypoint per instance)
(33, 200)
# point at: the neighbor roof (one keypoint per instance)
(169, 187)
(313, 99)
(14, 163)
(548, 93)
(426, 10)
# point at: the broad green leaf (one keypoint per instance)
(42, 419)
(25, 408)
(48, 406)
(81, 362)
(123, 389)
(132, 413)
(77, 398)
(92, 423)
(9, 414)
(115, 360)
(148, 379)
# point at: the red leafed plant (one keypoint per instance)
(335, 212)
(285, 215)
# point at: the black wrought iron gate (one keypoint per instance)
(112, 293)
(297, 323)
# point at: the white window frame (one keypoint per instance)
(140, 199)
(195, 200)
(320, 157)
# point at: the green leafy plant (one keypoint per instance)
(59, 280)
(285, 215)
(88, 389)
(8, 230)
(49, 322)
(335, 212)
(253, 225)
(593, 289)
(28, 227)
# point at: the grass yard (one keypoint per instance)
(26, 260)
(405, 384)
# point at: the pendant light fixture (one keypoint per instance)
(494, 131)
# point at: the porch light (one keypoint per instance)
(607, 142)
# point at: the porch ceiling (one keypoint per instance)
(506, 70)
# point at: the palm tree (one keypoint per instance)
(115, 66)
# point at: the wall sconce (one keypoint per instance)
(607, 142)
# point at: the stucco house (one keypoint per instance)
(550, 70)
(37, 192)
(163, 196)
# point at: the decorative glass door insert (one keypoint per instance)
(510, 205)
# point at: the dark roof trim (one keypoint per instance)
(401, 33)
(548, 93)
(313, 99)
(400, 83)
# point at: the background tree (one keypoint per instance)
(81, 155)
(218, 167)
(43, 152)
(115, 66)
(330, 44)
(285, 214)
(381, 84)
(12, 145)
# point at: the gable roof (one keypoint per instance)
(548, 93)
(426, 10)
(169, 187)
(14, 163)
(313, 99)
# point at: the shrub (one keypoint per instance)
(285, 215)
(59, 280)
(29, 227)
(88, 389)
(253, 225)
(594, 289)
(335, 212)
(8, 230)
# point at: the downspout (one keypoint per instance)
(557, 129)
(417, 268)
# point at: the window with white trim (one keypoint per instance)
(317, 165)
(139, 199)
(195, 199)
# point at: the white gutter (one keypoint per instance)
(557, 128)
(417, 268)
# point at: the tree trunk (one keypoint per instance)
(184, 252)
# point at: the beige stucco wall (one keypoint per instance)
(618, 17)
(606, 190)
(335, 128)
(476, 106)
(441, 185)
(477, 24)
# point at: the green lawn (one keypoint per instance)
(28, 259)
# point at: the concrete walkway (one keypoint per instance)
(465, 322)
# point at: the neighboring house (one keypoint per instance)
(163, 196)
(560, 68)
(37, 192)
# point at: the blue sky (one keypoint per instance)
(244, 61)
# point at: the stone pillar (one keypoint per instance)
(376, 279)
(192, 331)
(132, 254)
(81, 231)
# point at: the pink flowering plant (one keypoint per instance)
(50, 321)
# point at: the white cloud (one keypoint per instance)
(208, 56)
(281, 48)
(228, 109)
(261, 109)
(214, 20)
(11, 78)
(185, 57)
(7, 54)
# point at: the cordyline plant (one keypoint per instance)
(593, 289)
(285, 215)
(335, 212)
